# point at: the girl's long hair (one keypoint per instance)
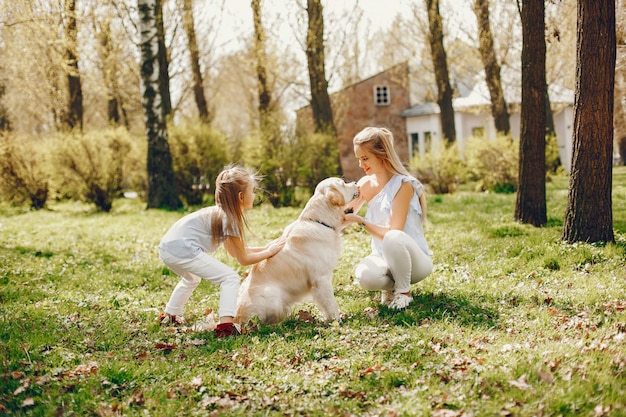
(232, 181)
(379, 141)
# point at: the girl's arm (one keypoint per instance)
(248, 256)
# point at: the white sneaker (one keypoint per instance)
(400, 301)
(386, 297)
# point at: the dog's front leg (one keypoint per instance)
(324, 297)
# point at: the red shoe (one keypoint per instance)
(227, 330)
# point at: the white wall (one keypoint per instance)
(466, 122)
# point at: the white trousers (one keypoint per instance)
(192, 271)
(403, 263)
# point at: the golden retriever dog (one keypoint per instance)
(304, 267)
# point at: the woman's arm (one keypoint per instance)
(399, 212)
(248, 256)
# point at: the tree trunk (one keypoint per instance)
(265, 95)
(588, 216)
(110, 73)
(74, 113)
(531, 195)
(440, 64)
(499, 109)
(161, 181)
(164, 74)
(320, 100)
(198, 84)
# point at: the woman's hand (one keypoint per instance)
(352, 218)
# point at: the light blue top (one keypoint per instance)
(192, 234)
(379, 212)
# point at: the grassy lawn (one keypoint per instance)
(511, 323)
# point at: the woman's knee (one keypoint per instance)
(393, 238)
(370, 275)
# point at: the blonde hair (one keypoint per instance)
(379, 141)
(232, 181)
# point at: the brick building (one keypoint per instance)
(375, 101)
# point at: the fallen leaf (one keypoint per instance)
(165, 346)
(545, 376)
(196, 381)
(28, 402)
(306, 316)
(521, 383)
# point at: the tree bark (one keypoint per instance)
(74, 112)
(320, 100)
(198, 84)
(588, 216)
(164, 73)
(499, 109)
(265, 95)
(440, 64)
(531, 195)
(161, 181)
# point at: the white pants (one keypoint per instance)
(403, 263)
(192, 271)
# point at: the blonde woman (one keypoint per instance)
(396, 211)
(187, 245)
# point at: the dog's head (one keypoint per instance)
(337, 191)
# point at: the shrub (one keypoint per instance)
(24, 170)
(277, 155)
(553, 160)
(97, 166)
(318, 159)
(443, 170)
(493, 163)
(198, 154)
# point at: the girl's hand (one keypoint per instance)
(276, 245)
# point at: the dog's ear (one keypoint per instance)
(335, 197)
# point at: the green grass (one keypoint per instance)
(512, 322)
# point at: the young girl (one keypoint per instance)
(396, 209)
(186, 246)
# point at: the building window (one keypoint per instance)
(381, 95)
(478, 132)
(415, 144)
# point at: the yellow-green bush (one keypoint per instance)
(199, 153)
(24, 169)
(443, 170)
(493, 163)
(99, 165)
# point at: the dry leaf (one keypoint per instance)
(28, 402)
(545, 376)
(521, 383)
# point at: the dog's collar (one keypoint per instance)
(322, 223)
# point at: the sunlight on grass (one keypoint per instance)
(511, 322)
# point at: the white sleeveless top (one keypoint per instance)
(379, 212)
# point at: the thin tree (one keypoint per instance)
(74, 112)
(440, 65)
(588, 216)
(265, 94)
(194, 56)
(164, 73)
(530, 207)
(499, 109)
(161, 181)
(320, 100)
